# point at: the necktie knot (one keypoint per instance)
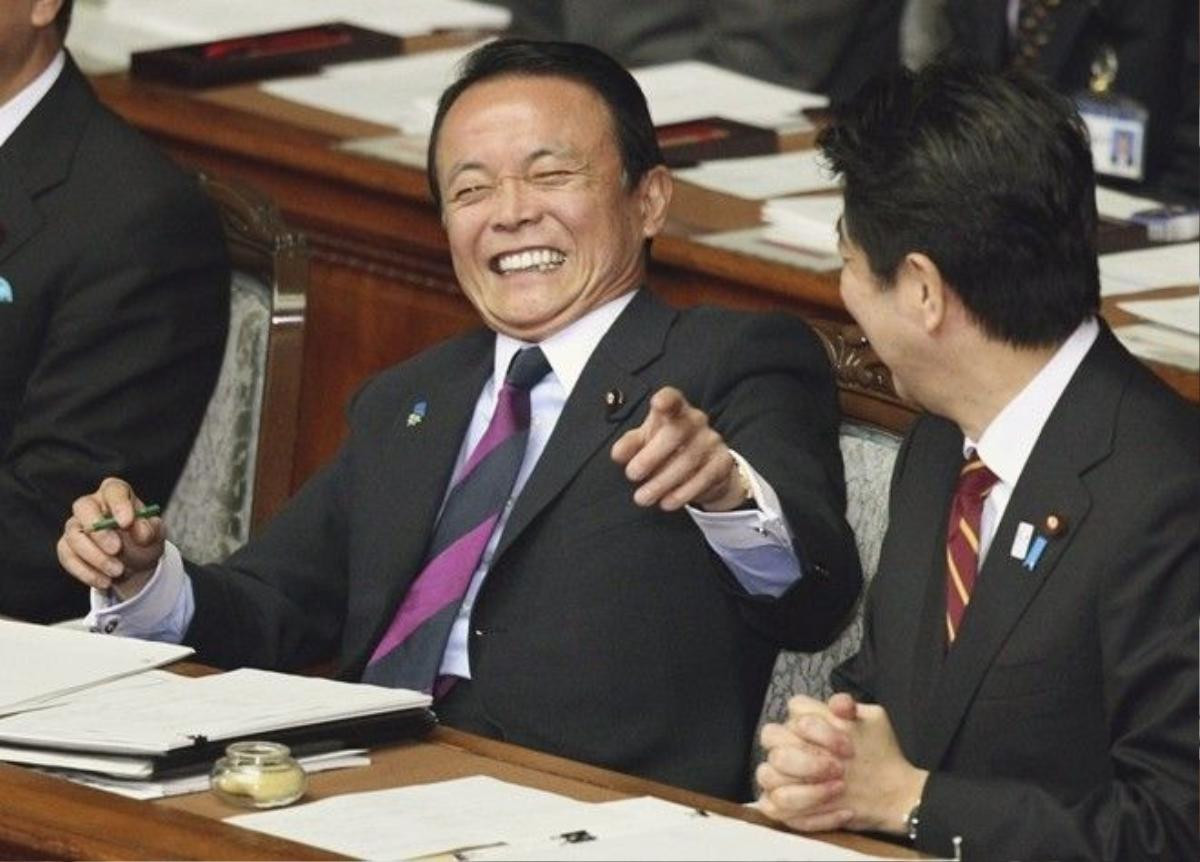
(528, 367)
(976, 480)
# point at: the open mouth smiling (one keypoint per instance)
(541, 259)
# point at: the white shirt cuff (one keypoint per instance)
(161, 611)
(756, 544)
(747, 528)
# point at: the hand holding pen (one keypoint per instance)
(112, 540)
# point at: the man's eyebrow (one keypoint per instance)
(461, 167)
(540, 153)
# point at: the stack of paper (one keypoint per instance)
(400, 92)
(482, 818)
(104, 34)
(761, 177)
(38, 663)
(1176, 265)
(807, 222)
(93, 704)
(689, 90)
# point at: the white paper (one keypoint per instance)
(400, 92)
(689, 90)
(403, 822)
(1160, 344)
(103, 35)
(752, 242)
(691, 838)
(160, 717)
(1174, 265)
(40, 662)
(1182, 312)
(1121, 205)
(759, 177)
(808, 222)
(200, 782)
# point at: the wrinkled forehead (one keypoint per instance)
(515, 105)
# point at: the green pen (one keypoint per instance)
(110, 522)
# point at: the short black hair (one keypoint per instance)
(989, 175)
(63, 21)
(573, 61)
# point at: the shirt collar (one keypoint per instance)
(15, 110)
(1009, 438)
(569, 349)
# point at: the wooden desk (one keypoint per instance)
(49, 818)
(382, 287)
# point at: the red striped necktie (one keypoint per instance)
(975, 482)
(410, 652)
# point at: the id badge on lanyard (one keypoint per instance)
(1116, 124)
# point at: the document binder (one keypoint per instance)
(301, 51)
(366, 732)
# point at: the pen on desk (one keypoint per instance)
(110, 522)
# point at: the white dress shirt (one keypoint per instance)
(1006, 443)
(755, 544)
(15, 110)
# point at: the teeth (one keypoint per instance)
(540, 259)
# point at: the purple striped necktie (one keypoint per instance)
(975, 482)
(410, 652)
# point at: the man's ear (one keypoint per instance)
(654, 197)
(43, 12)
(928, 291)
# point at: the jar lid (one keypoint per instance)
(257, 751)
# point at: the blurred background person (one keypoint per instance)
(114, 281)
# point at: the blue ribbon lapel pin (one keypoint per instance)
(417, 414)
(6, 291)
(1053, 526)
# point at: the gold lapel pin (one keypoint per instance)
(1055, 525)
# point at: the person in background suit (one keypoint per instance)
(1068, 40)
(1044, 708)
(113, 281)
(824, 46)
(640, 576)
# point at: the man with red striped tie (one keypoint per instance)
(1026, 685)
(587, 528)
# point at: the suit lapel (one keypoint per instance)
(419, 456)
(635, 339)
(1077, 435)
(38, 155)
(928, 646)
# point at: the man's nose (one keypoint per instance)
(516, 204)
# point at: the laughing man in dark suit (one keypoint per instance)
(602, 622)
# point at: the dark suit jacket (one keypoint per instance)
(827, 46)
(1147, 36)
(1062, 723)
(112, 342)
(604, 632)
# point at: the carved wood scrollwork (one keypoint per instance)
(855, 365)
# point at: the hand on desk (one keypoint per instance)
(676, 459)
(837, 766)
(123, 558)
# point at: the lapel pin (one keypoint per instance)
(6, 291)
(417, 413)
(614, 399)
(1055, 525)
(1020, 545)
(1035, 553)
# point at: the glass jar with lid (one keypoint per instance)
(256, 774)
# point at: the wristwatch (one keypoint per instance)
(912, 821)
